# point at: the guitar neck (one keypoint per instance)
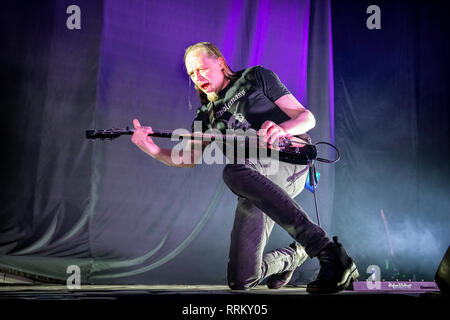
(195, 136)
(237, 137)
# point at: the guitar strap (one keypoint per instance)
(210, 111)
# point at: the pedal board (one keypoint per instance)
(393, 286)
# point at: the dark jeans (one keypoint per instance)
(264, 198)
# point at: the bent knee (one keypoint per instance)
(242, 285)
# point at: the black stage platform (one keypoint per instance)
(219, 302)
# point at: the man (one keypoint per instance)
(255, 98)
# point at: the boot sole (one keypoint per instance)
(350, 275)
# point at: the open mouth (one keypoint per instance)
(205, 86)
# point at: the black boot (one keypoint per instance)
(337, 270)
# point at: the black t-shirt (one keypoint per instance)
(246, 102)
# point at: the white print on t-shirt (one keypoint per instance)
(230, 103)
(237, 121)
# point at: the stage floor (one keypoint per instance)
(217, 302)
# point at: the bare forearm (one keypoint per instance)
(302, 123)
(182, 159)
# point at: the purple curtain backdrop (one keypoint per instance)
(106, 206)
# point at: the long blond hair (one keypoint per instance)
(212, 51)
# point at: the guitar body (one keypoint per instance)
(299, 155)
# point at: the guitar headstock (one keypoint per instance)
(106, 133)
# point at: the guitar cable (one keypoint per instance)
(313, 174)
(327, 160)
(322, 142)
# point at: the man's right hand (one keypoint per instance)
(143, 140)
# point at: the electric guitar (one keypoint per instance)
(295, 149)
